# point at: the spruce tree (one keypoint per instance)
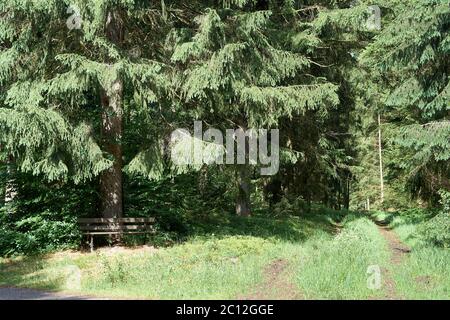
(332, 34)
(63, 76)
(237, 65)
(410, 59)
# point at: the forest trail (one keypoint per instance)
(398, 252)
(276, 284)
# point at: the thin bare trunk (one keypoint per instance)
(10, 187)
(380, 149)
(347, 193)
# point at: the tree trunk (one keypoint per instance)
(381, 160)
(347, 193)
(243, 197)
(10, 187)
(111, 180)
(243, 207)
(111, 192)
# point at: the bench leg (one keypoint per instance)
(91, 243)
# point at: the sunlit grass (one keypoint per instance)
(425, 272)
(322, 264)
(337, 268)
(223, 265)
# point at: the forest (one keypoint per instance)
(280, 149)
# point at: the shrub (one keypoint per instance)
(289, 207)
(437, 230)
(12, 242)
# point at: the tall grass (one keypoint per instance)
(323, 259)
(224, 263)
(425, 272)
(337, 268)
(213, 269)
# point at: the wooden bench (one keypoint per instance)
(114, 226)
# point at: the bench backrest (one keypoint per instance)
(116, 224)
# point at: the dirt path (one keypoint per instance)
(398, 251)
(10, 293)
(276, 285)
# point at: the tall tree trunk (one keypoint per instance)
(380, 149)
(10, 187)
(243, 198)
(243, 207)
(111, 192)
(347, 193)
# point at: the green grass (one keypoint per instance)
(216, 269)
(336, 268)
(228, 261)
(223, 263)
(403, 225)
(425, 272)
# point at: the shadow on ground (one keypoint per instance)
(31, 294)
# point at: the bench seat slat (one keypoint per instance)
(115, 220)
(115, 228)
(117, 232)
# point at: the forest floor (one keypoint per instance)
(316, 256)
